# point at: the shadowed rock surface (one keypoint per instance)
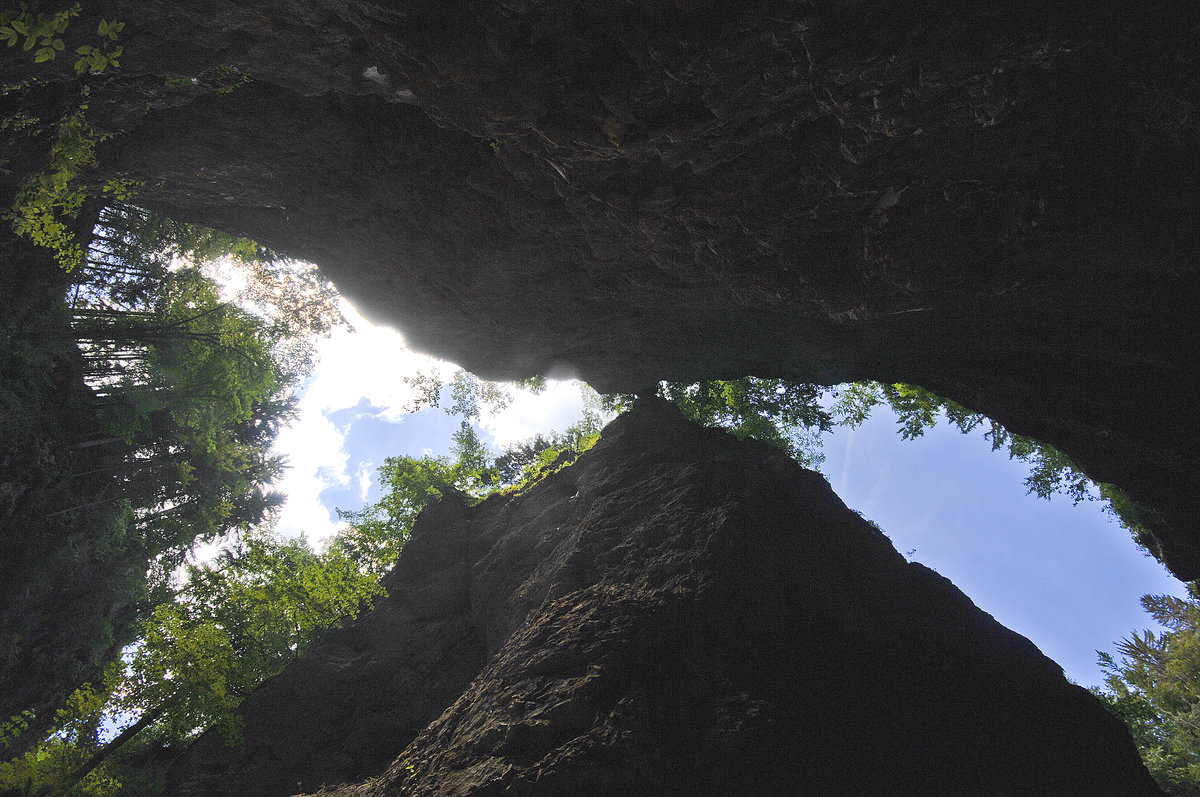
(992, 201)
(676, 613)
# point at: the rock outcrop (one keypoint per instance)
(992, 201)
(676, 613)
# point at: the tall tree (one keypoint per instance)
(1153, 685)
(190, 418)
(234, 623)
(168, 440)
(787, 415)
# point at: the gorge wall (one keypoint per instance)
(676, 613)
(995, 202)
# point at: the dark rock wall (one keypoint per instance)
(676, 613)
(358, 698)
(994, 201)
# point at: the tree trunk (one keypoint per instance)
(107, 750)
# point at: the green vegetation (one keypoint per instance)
(163, 440)
(235, 622)
(47, 205)
(36, 29)
(18, 121)
(154, 340)
(43, 31)
(50, 769)
(377, 533)
(787, 415)
(259, 605)
(138, 409)
(221, 79)
(225, 78)
(523, 465)
(231, 625)
(94, 59)
(1153, 686)
(793, 416)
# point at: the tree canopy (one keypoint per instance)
(377, 532)
(257, 606)
(1153, 686)
(140, 403)
(232, 624)
(787, 415)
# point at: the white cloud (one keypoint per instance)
(317, 459)
(365, 469)
(370, 363)
(555, 408)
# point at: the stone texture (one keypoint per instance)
(676, 613)
(995, 202)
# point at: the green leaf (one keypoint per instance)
(29, 43)
(110, 29)
(20, 27)
(44, 54)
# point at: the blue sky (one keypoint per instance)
(1068, 577)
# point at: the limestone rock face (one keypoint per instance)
(992, 200)
(995, 202)
(676, 613)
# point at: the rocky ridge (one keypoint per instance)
(676, 613)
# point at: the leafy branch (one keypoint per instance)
(36, 30)
(48, 198)
(93, 59)
(32, 29)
